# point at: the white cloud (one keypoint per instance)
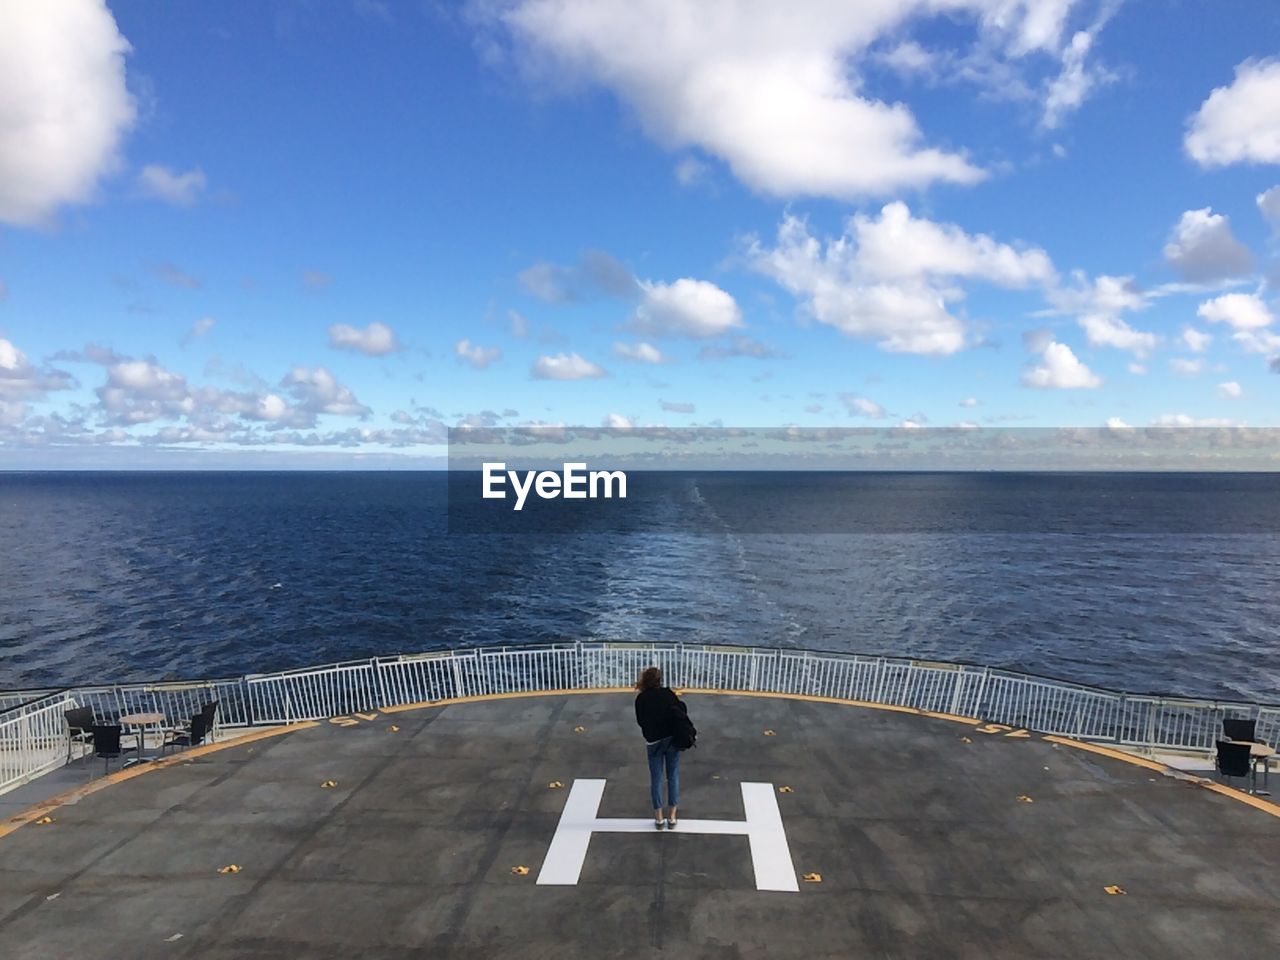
(519, 324)
(739, 346)
(969, 402)
(175, 276)
(139, 391)
(899, 247)
(22, 383)
(198, 330)
(1060, 369)
(1115, 423)
(595, 274)
(1035, 341)
(639, 352)
(616, 421)
(1195, 340)
(476, 355)
(1137, 369)
(1027, 25)
(1184, 420)
(673, 407)
(1202, 248)
(909, 57)
(316, 390)
(316, 279)
(1269, 205)
(144, 391)
(1105, 331)
(1185, 367)
(1239, 123)
(1103, 294)
(179, 189)
(1098, 305)
(566, 366)
(687, 308)
(1069, 90)
(768, 91)
(64, 105)
(1230, 390)
(1258, 341)
(860, 406)
(690, 171)
(1241, 311)
(890, 279)
(375, 340)
(780, 94)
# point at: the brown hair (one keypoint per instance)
(650, 679)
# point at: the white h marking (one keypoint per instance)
(770, 855)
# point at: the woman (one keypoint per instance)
(655, 706)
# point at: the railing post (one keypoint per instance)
(982, 693)
(24, 744)
(377, 679)
(458, 690)
(956, 694)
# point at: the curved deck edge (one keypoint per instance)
(44, 807)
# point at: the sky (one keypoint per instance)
(305, 233)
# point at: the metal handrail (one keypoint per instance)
(1001, 696)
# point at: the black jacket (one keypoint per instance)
(653, 712)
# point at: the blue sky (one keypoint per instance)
(319, 233)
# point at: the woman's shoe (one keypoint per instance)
(658, 824)
(671, 824)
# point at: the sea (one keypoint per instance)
(1166, 584)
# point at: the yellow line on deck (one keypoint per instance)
(484, 698)
(1266, 806)
(808, 698)
(76, 794)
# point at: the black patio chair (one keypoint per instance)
(208, 711)
(192, 735)
(210, 716)
(1233, 760)
(106, 745)
(1242, 730)
(79, 728)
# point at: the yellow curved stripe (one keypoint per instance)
(1266, 806)
(120, 776)
(808, 698)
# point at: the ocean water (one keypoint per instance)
(1172, 588)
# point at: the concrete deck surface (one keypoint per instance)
(914, 823)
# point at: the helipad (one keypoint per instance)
(908, 835)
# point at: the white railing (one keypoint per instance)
(998, 696)
(33, 739)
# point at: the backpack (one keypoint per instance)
(683, 733)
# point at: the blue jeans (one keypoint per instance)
(663, 754)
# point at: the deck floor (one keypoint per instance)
(914, 824)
